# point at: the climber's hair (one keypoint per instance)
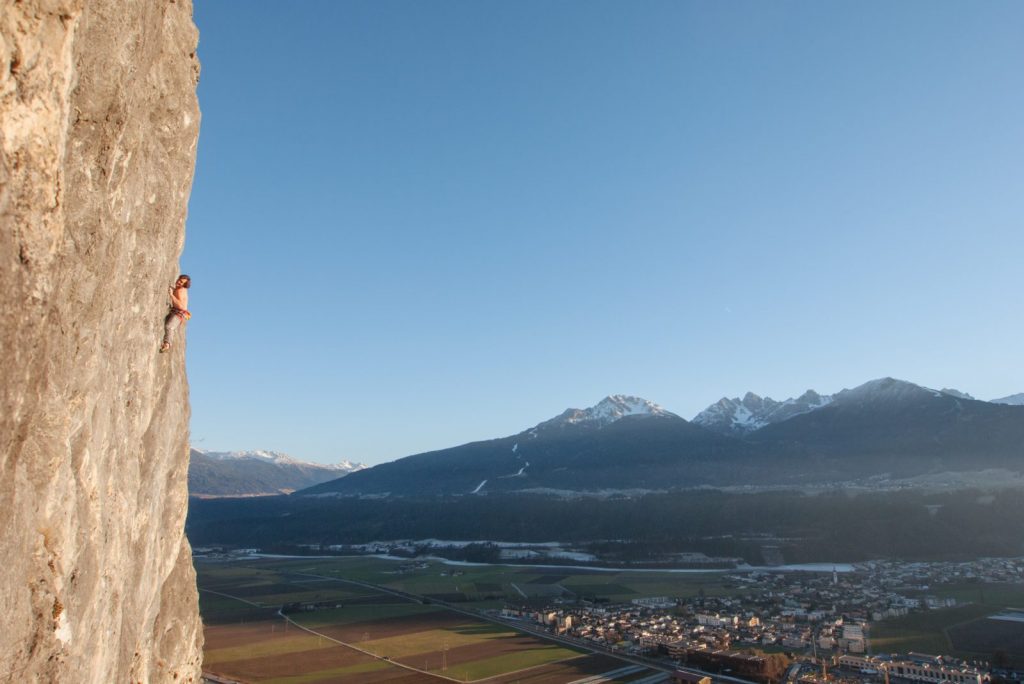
(188, 281)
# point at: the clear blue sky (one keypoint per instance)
(418, 224)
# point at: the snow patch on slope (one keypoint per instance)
(741, 416)
(281, 459)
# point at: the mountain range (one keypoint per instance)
(742, 416)
(883, 428)
(257, 473)
(739, 417)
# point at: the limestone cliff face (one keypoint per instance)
(98, 130)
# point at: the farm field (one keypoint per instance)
(265, 652)
(995, 595)
(438, 641)
(489, 586)
(923, 632)
(358, 634)
(964, 631)
(987, 637)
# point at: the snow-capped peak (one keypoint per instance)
(260, 454)
(280, 459)
(741, 416)
(607, 411)
(616, 406)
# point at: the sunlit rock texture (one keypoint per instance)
(98, 130)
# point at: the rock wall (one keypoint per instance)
(98, 129)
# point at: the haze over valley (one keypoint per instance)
(940, 472)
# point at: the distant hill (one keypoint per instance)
(256, 473)
(882, 428)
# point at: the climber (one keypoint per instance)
(179, 310)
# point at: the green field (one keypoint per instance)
(362, 613)
(995, 595)
(681, 585)
(217, 609)
(490, 586)
(929, 631)
(923, 632)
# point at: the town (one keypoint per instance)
(799, 626)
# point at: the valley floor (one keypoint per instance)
(369, 619)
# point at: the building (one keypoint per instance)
(680, 677)
(852, 639)
(654, 602)
(915, 667)
(858, 663)
(918, 667)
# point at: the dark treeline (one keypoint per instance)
(835, 527)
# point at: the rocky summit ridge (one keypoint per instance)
(741, 416)
(610, 409)
(99, 123)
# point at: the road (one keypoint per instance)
(519, 625)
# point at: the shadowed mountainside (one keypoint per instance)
(884, 428)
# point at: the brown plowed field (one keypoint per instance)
(299, 663)
(228, 636)
(562, 672)
(395, 626)
(312, 660)
(330, 659)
